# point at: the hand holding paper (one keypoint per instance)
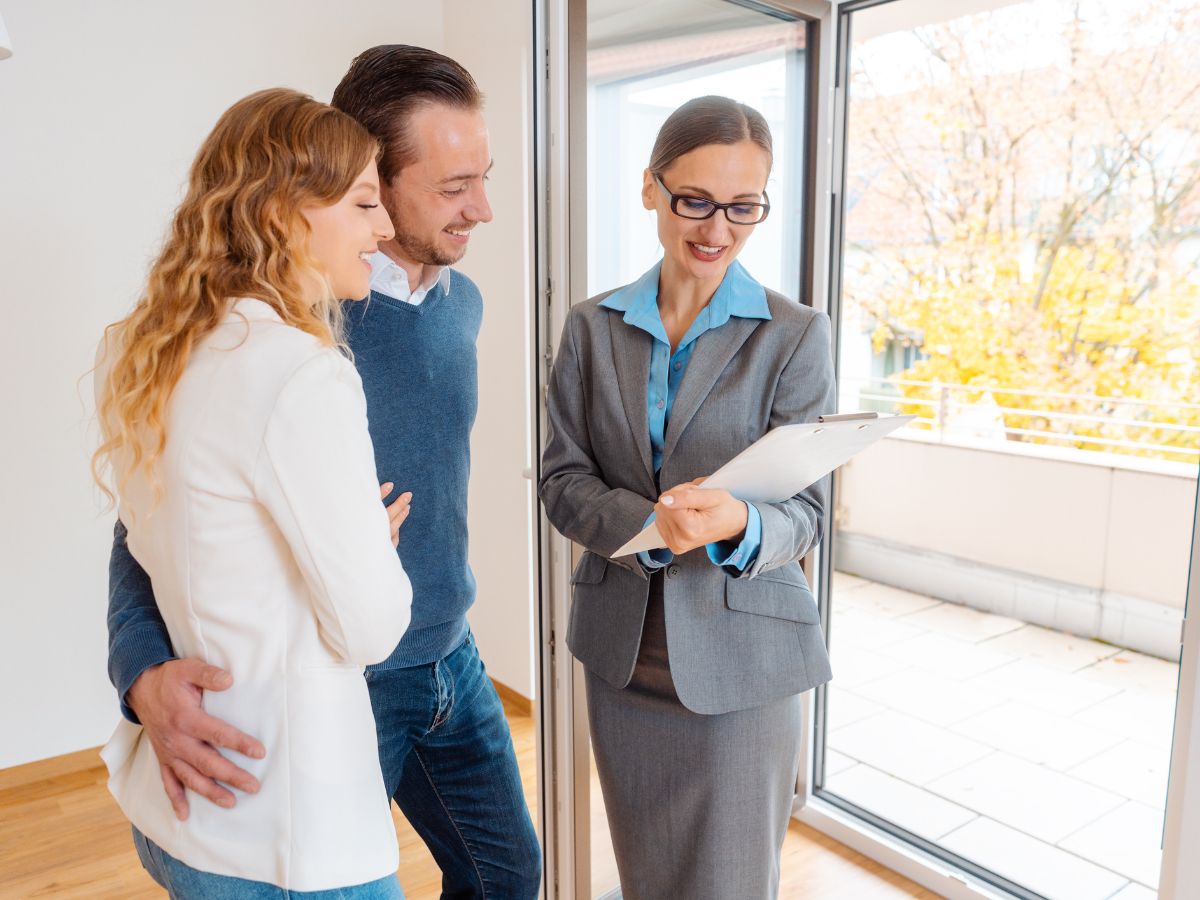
(689, 516)
(784, 462)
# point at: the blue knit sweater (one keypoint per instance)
(419, 372)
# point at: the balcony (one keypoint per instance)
(1036, 753)
(1005, 627)
(1066, 520)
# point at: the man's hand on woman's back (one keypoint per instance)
(167, 701)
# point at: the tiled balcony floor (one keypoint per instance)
(1039, 755)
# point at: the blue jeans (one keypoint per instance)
(448, 762)
(182, 882)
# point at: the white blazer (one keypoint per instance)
(271, 557)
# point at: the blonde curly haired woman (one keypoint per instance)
(235, 442)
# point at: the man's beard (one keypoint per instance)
(426, 252)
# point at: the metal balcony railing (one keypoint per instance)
(1168, 431)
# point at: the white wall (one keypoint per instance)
(495, 42)
(102, 107)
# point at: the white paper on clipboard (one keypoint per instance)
(784, 462)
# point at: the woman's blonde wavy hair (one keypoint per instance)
(238, 233)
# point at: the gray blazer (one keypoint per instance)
(734, 641)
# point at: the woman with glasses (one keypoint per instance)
(696, 654)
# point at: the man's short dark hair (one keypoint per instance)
(387, 84)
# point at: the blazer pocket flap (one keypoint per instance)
(775, 597)
(590, 569)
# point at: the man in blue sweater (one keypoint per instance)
(444, 744)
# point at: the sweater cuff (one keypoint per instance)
(139, 649)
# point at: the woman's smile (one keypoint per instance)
(706, 252)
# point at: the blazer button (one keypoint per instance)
(672, 571)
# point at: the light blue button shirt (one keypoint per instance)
(739, 295)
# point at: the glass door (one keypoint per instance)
(624, 67)
(644, 59)
(1005, 580)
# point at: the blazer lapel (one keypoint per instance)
(631, 358)
(713, 351)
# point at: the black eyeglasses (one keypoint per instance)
(740, 213)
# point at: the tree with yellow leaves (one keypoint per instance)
(1028, 218)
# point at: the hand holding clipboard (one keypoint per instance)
(785, 461)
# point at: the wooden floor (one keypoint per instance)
(61, 835)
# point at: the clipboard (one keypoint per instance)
(785, 461)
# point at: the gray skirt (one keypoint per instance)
(698, 806)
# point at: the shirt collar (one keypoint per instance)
(738, 295)
(388, 278)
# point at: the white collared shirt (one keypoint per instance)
(391, 280)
